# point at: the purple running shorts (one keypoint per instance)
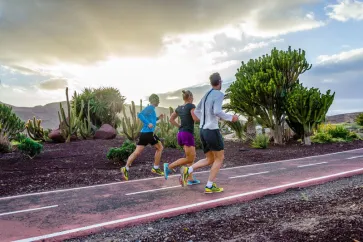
(186, 138)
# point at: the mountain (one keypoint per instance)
(342, 118)
(49, 113)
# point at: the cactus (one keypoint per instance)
(34, 129)
(165, 126)
(131, 127)
(308, 107)
(69, 126)
(10, 124)
(85, 124)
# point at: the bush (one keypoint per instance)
(339, 132)
(30, 148)
(20, 137)
(119, 155)
(261, 141)
(10, 124)
(5, 146)
(359, 119)
(322, 138)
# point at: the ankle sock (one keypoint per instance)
(156, 167)
(190, 169)
(127, 168)
(209, 184)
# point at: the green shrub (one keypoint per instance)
(5, 146)
(198, 142)
(261, 141)
(30, 148)
(10, 124)
(119, 155)
(359, 119)
(339, 132)
(170, 139)
(322, 138)
(20, 137)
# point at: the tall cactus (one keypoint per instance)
(34, 129)
(262, 84)
(165, 126)
(308, 107)
(85, 123)
(69, 126)
(131, 127)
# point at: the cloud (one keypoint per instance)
(53, 84)
(345, 10)
(23, 70)
(346, 61)
(88, 31)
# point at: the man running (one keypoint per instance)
(185, 135)
(147, 136)
(209, 111)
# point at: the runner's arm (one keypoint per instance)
(198, 111)
(195, 118)
(173, 116)
(217, 109)
(142, 115)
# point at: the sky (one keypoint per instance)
(164, 46)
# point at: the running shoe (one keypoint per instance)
(166, 170)
(184, 172)
(157, 171)
(125, 173)
(193, 182)
(213, 189)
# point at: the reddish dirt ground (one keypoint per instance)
(82, 163)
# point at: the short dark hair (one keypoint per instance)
(215, 79)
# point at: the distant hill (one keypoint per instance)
(49, 113)
(343, 118)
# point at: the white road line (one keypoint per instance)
(250, 174)
(153, 190)
(314, 164)
(354, 157)
(64, 232)
(152, 178)
(27, 210)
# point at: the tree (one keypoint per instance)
(10, 124)
(262, 84)
(106, 103)
(307, 108)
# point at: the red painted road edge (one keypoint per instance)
(198, 208)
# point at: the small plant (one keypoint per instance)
(34, 129)
(322, 138)
(30, 148)
(119, 155)
(339, 132)
(5, 146)
(260, 142)
(359, 119)
(10, 124)
(19, 137)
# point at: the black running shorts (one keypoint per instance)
(148, 138)
(212, 140)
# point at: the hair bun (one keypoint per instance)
(183, 91)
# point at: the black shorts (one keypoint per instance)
(148, 138)
(212, 140)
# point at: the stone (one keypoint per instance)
(105, 132)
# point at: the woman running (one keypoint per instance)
(185, 135)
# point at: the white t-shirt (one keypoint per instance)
(213, 110)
